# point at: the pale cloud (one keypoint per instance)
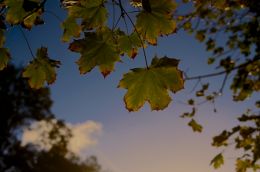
(84, 135)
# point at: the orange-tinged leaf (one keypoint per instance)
(96, 49)
(92, 12)
(40, 70)
(129, 44)
(157, 22)
(71, 29)
(151, 85)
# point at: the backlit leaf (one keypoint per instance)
(96, 49)
(217, 161)
(242, 165)
(152, 85)
(17, 14)
(129, 44)
(92, 12)
(41, 69)
(195, 126)
(4, 58)
(33, 19)
(157, 22)
(71, 29)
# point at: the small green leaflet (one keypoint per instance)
(4, 58)
(152, 84)
(41, 69)
(157, 22)
(71, 29)
(195, 126)
(97, 49)
(16, 14)
(129, 44)
(92, 12)
(217, 161)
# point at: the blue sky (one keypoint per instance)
(142, 141)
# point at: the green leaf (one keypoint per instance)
(4, 58)
(33, 19)
(96, 49)
(157, 22)
(195, 126)
(221, 139)
(242, 165)
(152, 85)
(92, 12)
(41, 69)
(71, 29)
(129, 44)
(16, 14)
(217, 161)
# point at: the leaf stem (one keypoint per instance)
(131, 21)
(55, 15)
(27, 42)
(221, 72)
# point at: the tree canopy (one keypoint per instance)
(229, 29)
(21, 106)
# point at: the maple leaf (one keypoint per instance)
(33, 19)
(152, 84)
(71, 29)
(129, 44)
(217, 161)
(16, 13)
(92, 12)
(96, 49)
(4, 58)
(157, 22)
(41, 69)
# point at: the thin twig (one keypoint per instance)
(113, 6)
(118, 20)
(221, 72)
(223, 83)
(126, 26)
(55, 15)
(131, 21)
(27, 42)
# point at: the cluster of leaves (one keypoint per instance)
(238, 54)
(246, 136)
(238, 23)
(101, 44)
(20, 106)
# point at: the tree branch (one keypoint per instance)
(131, 21)
(221, 72)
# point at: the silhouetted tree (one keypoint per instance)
(20, 106)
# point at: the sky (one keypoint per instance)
(143, 141)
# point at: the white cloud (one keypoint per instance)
(84, 135)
